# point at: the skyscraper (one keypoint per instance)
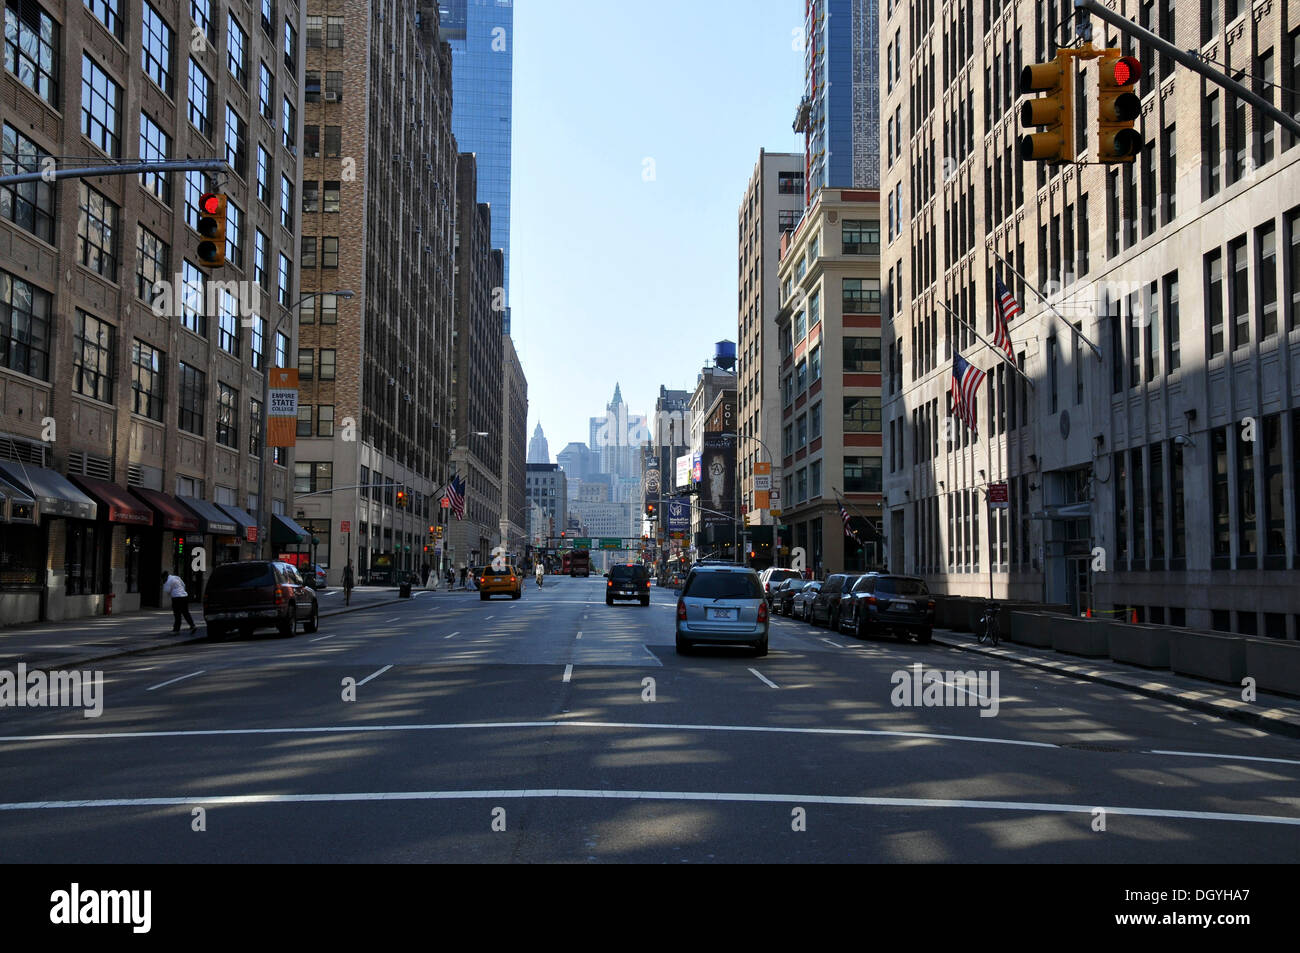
(840, 111)
(481, 34)
(538, 449)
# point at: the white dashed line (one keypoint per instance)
(373, 675)
(452, 636)
(323, 638)
(396, 618)
(568, 672)
(175, 680)
(836, 644)
(579, 635)
(759, 676)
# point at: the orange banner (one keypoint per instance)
(282, 412)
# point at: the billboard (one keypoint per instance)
(678, 518)
(718, 487)
(684, 471)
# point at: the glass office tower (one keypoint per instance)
(481, 34)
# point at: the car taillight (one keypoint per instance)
(279, 595)
(871, 600)
(512, 578)
(930, 604)
(762, 612)
(681, 610)
(767, 587)
(610, 583)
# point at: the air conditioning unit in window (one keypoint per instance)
(331, 96)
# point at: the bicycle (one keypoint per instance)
(989, 621)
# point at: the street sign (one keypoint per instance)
(252, 534)
(998, 499)
(775, 513)
(611, 544)
(582, 542)
(446, 503)
(345, 526)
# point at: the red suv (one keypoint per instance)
(258, 594)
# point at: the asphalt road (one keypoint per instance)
(557, 729)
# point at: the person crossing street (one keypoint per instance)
(174, 586)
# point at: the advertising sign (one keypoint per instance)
(697, 467)
(282, 411)
(717, 489)
(683, 471)
(678, 519)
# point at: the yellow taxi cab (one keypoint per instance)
(500, 582)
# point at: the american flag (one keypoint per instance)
(848, 528)
(456, 496)
(966, 382)
(1007, 309)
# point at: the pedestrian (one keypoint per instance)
(348, 580)
(173, 586)
(464, 575)
(451, 579)
(424, 574)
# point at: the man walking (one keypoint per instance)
(173, 586)
(348, 581)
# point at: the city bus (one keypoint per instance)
(579, 563)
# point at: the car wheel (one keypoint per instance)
(924, 636)
(482, 597)
(760, 647)
(289, 628)
(860, 629)
(312, 624)
(833, 621)
(516, 595)
(609, 600)
(217, 631)
(683, 646)
(645, 601)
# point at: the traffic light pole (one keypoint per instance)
(121, 168)
(1188, 59)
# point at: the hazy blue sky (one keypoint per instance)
(614, 278)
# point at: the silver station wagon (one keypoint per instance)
(722, 605)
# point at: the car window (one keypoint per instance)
(508, 571)
(865, 584)
(902, 587)
(724, 585)
(242, 576)
(628, 572)
(813, 587)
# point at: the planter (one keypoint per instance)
(1086, 637)
(1029, 628)
(1221, 658)
(1274, 664)
(1145, 645)
(950, 613)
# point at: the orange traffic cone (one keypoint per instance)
(1088, 614)
(1134, 619)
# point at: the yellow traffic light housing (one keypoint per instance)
(211, 227)
(1117, 107)
(1054, 111)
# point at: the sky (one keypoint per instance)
(636, 129)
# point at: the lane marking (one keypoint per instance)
(1229, 757)
(452, 636)
(836, 644)
(175, 680)
(568, 672)
(579, 635)
(759, 676)
(1031, 807)
(323, 638)
(373, 675)
(396, 618)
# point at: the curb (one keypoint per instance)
(163, 646)
(1274, 720)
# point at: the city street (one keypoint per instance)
(556, 729)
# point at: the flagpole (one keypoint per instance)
(1003, 354)
(1043, 298)
(845, 501)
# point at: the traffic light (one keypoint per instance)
(212, 230)
(1054, 111)
(650, 510)
(401, 499)
(1117, 107)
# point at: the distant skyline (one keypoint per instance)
(635, 133)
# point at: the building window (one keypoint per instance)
(801, 378)
(255, 428)
(286, 202)
(862, 414)
(329, 252)
(1274, 517)
(196, 183)
(1219, 498)
(157, 40)
(862, 474)
(193, 393)
(861, 237)
(304, 420)
(285, 281)
(333, 141)
(193, 313)
(281, 349)
(1214, 300)
(1169, 172)
(152, 256)
(790, 183)
(815, 364)
(97, 232)
(333, 86)
(307, 259)
(1239, 293)
(1293, 270)
(147, 390)
(314, 32)
(237, 51)
(1265, 130)
(264, 194)
(257, 340)
(862, 355)
(24, 327)
(313, 477)
(1266, 240)
(334, 33)
(290, 117)
(155, 146)
(306, 363)
(261, 273)
(1247, 527)
(227, 416)
(94, 349)
(266, 93)
(236, 141)
(801, 481)
(1211, 145)
(32, 48)
(101, 101)
(228, 324)
(29, 205)
(330, 197)
(311, 86)
(1173, 331)
(787, 219)
(861, 296)
(325, 420)
(327, 356)
(201, 14)
(801, 432)
(290, 46)
(200, 106)
(815, 422)
(1053, 374)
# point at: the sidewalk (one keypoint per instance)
(80, 642)
(1273, 713)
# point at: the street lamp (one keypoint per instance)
(264, 481)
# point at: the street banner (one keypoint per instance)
(678, 519)
(697, 467)
(282, 413)
(683, 471)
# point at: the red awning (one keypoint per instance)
(118, 504)
(169, 509)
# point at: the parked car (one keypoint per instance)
(802, 600)
(628, 582)
(783, 595)
(507, 581)
(315, 576)
(258, 594)
(774, 576)
(723, 605)
(881, 603)
(825, 609)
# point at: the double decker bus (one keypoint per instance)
(579, 563)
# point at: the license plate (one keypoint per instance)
(722, 615)
(902, 605)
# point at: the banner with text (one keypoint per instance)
(282, 413)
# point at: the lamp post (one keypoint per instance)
(264, 481)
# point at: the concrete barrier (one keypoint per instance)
(950, 613)
(1144, 645)
(1274, 664)
(1086, 637)
(1029, 628)
(1214, 655)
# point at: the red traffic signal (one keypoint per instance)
(211, 227)
(1126, 70)
(1118, 106)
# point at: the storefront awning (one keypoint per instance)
(171, 515)
(54, 494)
(285, 531)
(116, 504)
(212, 518)
(241, 517)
